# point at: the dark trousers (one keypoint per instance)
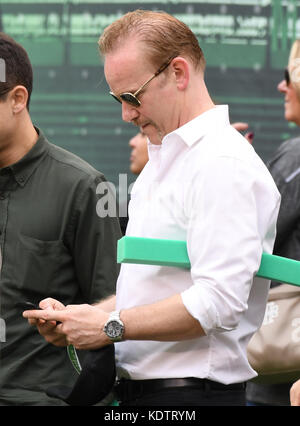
(188, 396)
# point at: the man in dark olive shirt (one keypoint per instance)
(53, 242)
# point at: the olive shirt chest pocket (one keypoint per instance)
(38, 263)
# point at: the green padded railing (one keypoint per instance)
(151, 251)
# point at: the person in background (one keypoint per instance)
(138, 159)
(139, 152)
(284, 166)
(181, 334)
(52, 241)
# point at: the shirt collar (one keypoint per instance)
(197, 128)
(23, 169)
(153, 150)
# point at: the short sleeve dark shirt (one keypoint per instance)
(53, 244)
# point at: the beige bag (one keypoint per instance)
(274, 351)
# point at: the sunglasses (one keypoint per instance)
(131, 98)
(287, 76)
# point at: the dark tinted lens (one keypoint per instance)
(287, 76)
(115, 97)
(130, 99)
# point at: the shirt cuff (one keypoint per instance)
(204, 312)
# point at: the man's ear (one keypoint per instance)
(180, 67)
(19, 97)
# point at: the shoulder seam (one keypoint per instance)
(67, 163)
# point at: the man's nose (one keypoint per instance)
(129, 112)
(282, 86)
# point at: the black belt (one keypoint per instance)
(127, 390)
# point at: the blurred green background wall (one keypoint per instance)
(246, 45)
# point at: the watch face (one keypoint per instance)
(114, 329)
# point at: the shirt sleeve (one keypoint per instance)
(227, 225)
(94, 242)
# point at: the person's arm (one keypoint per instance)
(166, 320)
(225, 249)
(92, 238)
(282, 169)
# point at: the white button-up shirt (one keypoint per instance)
(204, 185)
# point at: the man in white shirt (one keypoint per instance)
(182, 333)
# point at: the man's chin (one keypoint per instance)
(152, 134)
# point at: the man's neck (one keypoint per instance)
(197, 102)
(21, 143)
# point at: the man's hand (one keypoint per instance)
(48, 329)
(81, 325)
(241, 127)
(295, 394)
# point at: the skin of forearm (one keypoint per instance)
(166, 320)
(108, 304)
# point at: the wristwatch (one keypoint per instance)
(114, 327)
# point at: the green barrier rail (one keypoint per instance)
(151, 251)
